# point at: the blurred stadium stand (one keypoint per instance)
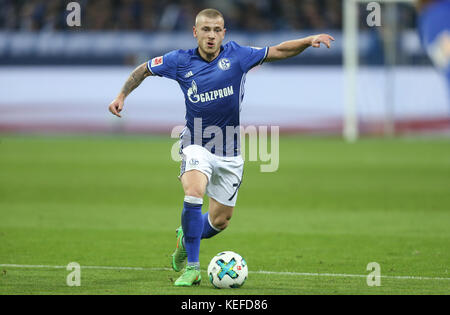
(126, 31)
(172, 15)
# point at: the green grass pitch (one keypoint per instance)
(309, 228)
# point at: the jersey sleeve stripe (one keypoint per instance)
(148, 67)
(265, 56)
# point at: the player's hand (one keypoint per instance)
(116, 107)
(321, 38)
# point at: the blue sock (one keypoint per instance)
(208, 229)
(192, 224)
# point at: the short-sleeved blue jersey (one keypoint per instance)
(213, 93)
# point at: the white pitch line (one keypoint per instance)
(344, 275)
(85, 267)
(285, 273)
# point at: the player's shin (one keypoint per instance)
(192, 224)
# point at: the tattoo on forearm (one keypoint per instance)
(135, 79)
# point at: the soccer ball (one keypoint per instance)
(227, 270)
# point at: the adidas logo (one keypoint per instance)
(188, 75)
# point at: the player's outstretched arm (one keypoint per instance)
(294, 47)
(135, 79)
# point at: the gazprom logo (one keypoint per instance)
(192, 93)
(194, 97)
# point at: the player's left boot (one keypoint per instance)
(179, 257)
(191, 276)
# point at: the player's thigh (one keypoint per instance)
(227, 179)
(194, 183)
(196, 170)
(219, 214)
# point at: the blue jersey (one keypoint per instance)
(213, 93)
(433, 20)
(434, 30)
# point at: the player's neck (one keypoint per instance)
(208, 57)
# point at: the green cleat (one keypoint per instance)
(190, 277)
(179, 257)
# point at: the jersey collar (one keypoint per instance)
(217, 58)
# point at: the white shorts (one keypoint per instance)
(224, 173)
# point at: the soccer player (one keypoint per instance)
(434, 30)
(212, 78)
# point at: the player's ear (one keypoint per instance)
(194, 31)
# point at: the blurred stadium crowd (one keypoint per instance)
(175, 15)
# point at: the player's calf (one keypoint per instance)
(221, 222)
(209, 229)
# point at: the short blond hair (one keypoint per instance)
(209, 13)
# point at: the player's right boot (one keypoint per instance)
(179, 257)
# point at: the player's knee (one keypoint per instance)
(194, 192)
